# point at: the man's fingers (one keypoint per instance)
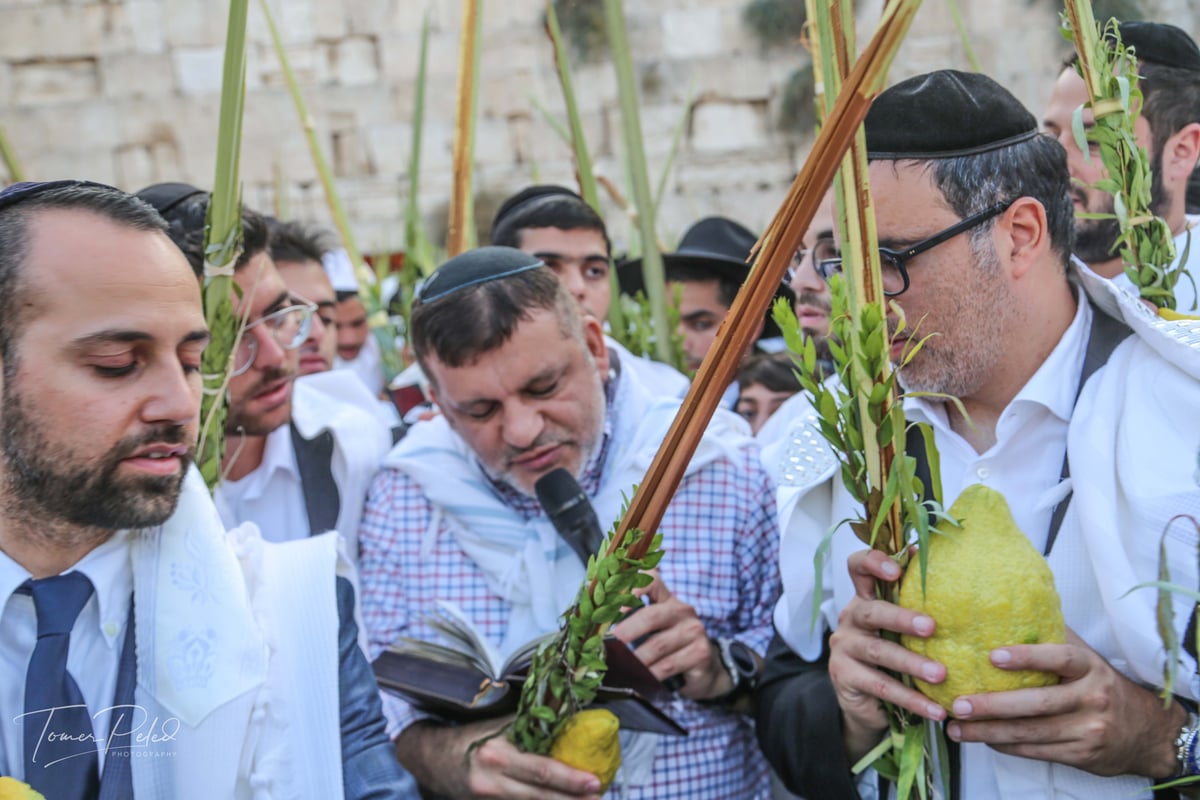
(879, 615)
(643, 621)
(868, 565)
(1018, 704)
(877, 652)
(674, 650)
(1065, 660)
(855, 680)
(658, 591)
(502, 770)
(1022, 731)
(544, 777)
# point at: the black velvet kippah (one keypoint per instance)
(165, 196)
(527, 197)
(945, 114)
(16, 193)
(474, 267)
(1159, 43)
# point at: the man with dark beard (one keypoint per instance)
(298, 456)
(1169, 130)
(134, 630)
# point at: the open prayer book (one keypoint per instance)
(465, 679)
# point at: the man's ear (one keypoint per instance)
(1180, 153)
(1025, 232)
(593, 339)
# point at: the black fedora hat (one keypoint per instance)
(715, 245)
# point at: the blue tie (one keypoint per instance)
(60, 752)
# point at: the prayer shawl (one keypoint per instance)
(1133, 444)
(237, 659)
(526, 562)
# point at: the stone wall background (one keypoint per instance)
(126, 92)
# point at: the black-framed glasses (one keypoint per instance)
(824, 249)
(289, 327)
(893, 262)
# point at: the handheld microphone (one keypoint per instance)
(570, 512)
(572, 515)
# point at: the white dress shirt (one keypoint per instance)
(95, 650)
(1024, 465)
(272, 496)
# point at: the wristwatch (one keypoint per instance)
(741, 664)
(1186, 744)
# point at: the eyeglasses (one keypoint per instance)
(825, 249)
(893, 262)
(289, 327)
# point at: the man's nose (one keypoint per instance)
(270, 352)
(523, 424)
(174, 398)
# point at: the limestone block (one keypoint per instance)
(348, 154)
(195, 23)
(399, 55)
(37, 83)
(934, 18)
(366, 104)
(93, 164)
(331, 20)
(144, 19)
(137, 75)
(748, 78)
(6, 85)
(493, 141)
(387, 146)
(295, 20)
(692, 32)
(140, 165)
(198, 69)
(725, 126)
(368, 16)
(645, 32)
(595, 85)
(264, 68)
(46, 31)
(503, 95)
(534, 142)
(515, 15)
(353, 61)
(92, 124)
(374, 200)
(659, 123)
(927, 53)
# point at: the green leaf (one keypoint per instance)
(912, 759)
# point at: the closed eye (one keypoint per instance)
(115, 372)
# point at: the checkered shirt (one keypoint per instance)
(720, 534)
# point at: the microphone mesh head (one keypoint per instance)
(558, 490)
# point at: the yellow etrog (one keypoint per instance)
(13, 789)
(590, 741)
(986, 587)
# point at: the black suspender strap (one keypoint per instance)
(314, 460)
(1105, 335)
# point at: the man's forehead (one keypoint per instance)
(536, 343)
(86, 271)
(76, 248)
(551, 237)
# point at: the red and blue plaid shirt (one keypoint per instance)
(721, 538)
